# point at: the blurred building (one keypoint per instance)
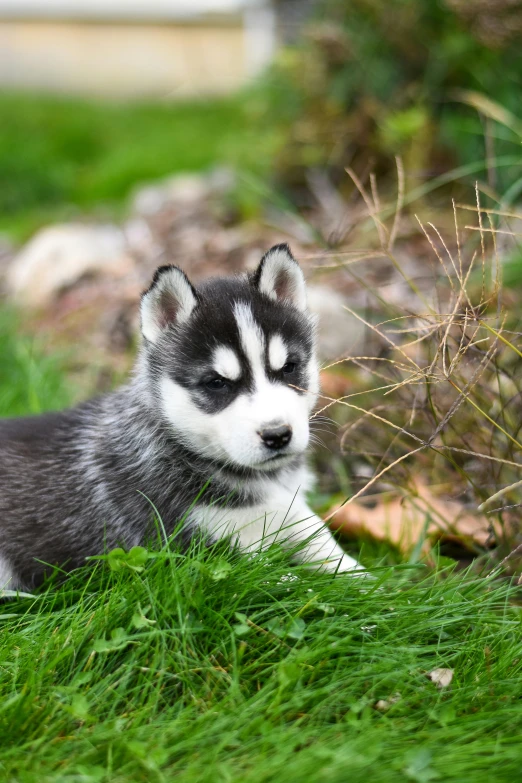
(162, 48)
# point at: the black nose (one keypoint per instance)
(276, 437)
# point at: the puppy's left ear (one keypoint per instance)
(279, 276)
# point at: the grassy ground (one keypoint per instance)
(75, 155)
(209, 666)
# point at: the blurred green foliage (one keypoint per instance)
(512, 269)
(30, 380)
(59, 154)
(371, 79)
(437, 82)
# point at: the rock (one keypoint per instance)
(186, 189)
(139, 238)
(340, 333)
(59, 256)
(183, 190)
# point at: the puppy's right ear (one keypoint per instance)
(170, 300)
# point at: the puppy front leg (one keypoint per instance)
(319, 548)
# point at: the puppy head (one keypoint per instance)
(232, 362)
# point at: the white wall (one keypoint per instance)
(121, 9)
(106, 50)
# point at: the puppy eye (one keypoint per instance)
(289, 368)
(216, 384)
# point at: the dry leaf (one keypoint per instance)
(402, 521)
(334, 384)
(441, 677)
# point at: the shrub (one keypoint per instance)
(373, 79)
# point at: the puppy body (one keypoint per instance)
(209, 435)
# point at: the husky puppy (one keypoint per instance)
(209, 435)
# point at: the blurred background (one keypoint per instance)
(382, 140)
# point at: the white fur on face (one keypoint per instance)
(226, 363)
(233, 434)
(277, 352)
(251, 336)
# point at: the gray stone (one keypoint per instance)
(340, 333)
(57, 257)
(183, 190)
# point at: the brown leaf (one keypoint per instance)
(334, 384)
(402, 521)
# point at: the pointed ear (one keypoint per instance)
(170, 300)
(279, 276)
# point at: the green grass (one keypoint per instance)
(212, 667)
(30, 380)
(63, 156)
(183, 671)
